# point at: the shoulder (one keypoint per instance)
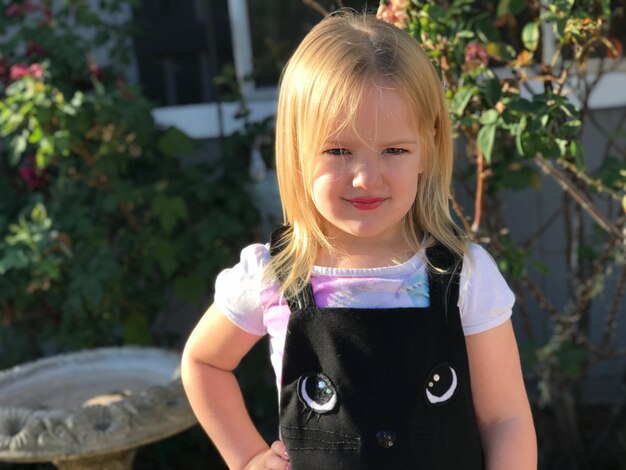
(478, 261)
(485, 299)
(238, 289)
(254, 257)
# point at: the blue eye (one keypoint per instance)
(317, 392)
(395, 151)
(337, 151)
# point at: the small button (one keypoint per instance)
(386, 439)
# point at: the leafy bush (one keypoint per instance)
(101, 220)
(519, 98)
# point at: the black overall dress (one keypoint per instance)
(380, 388)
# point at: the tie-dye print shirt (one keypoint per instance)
(485, 300)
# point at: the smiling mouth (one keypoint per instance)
(366, 203)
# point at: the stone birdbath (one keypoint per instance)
(92, 409)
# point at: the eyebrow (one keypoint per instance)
(399, 142)
(391, 143)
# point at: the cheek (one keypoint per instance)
(324, 186)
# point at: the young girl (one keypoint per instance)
(377, 308)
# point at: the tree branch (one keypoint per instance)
(317, 7)
(580, 198)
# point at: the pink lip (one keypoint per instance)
(366, 203)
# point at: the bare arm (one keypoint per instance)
(213, 350)
(502, 409)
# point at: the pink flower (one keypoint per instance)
(14, 9)
(394, 12)
(36, 70)
(20, 9)
(19, 71)
(477, 54)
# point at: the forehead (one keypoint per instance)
(383, 113)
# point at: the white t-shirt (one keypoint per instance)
(485, 300)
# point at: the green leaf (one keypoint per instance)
(15, 259)
(500, 51)
(572, 359)
(35, 135)
(166, 254)
(562, 145)
(578, 152)
(487, 31)
(493, 91)
(573, 126)
(521, 105)
(518, 177)
(17, 146)
(39, 213)
(518, 135)
(530, 36)
(486, 137)
(77, 99)
(466, 34)
(514, 7)
(461, 99)
(612, 174)
(528, 354)
(137, 329)
(489, 116)
(190, 288)
(169, 211)
(62, 140)
(173, 142)
(564, 5)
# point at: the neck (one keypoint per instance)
(365, 254)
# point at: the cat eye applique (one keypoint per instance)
(441, 384)
(317, 392)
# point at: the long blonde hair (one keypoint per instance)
(322, 85)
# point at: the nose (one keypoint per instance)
(367, 173)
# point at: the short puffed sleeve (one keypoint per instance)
(238, 290)
(485, 299)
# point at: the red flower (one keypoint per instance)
(34, 48)
(3, 69)
(33, 177)
(47, 17)
(476, 53)
(123, 89)
(95, 71)
(22, 70)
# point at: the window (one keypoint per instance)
(182, 45)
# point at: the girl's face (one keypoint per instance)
(365, 180)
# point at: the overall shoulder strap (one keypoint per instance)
(302, 299)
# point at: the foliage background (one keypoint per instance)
(104, 217)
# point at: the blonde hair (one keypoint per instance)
(322, 85)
